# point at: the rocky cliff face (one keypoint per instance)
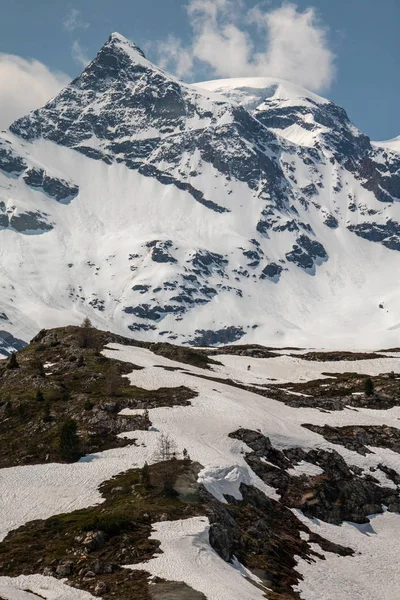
(198, 214)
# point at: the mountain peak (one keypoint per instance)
(118, 60)
(117, 56)
(120, 41)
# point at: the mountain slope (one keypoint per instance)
(202, 214)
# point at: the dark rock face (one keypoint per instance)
(142, 289)
(188, 290)
(379, 172)
(205, 262)
(331, 221)
(160, 251)
(357, 438)
(264, 535)
(153, 313)
(10, 162)
(342, 494)
(341, 135)
(141, 327)
(23, 220)
(254, 257)
(29, 222)
(59, 189)
(272, 272)
(387, 234)
(217, 337)
(307, 253)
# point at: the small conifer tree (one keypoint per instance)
(86, 337)
(40, 368)
(369, 386)
(69, 443)
(13, 362)
(166, 453)
(145, 476)
(86, 323)
(146, 418)
(37, 366)
(39, 396)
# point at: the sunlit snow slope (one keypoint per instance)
(236, 209)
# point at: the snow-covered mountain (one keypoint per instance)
(245, 209)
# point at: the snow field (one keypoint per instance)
(294, 369)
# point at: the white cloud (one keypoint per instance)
(292, 44)
(79, 54)
(297, 47)
(172, 52)
(24, 86)
(74, 21)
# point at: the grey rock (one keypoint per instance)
(101, 588)
(64, 568)
(94, 540)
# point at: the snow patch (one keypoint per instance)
(32, 587)
(187, 556)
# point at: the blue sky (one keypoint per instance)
(351, 47)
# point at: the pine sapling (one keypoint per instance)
(145, 476)
(369, 387)
(13, 362)
(69, 442)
